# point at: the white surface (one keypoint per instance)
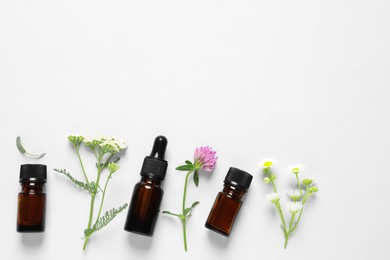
(301, 81)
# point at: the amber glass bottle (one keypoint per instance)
(228, 202)
(32, 198)
(147, 195)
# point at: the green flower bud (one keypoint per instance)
(313, 189)
(266, 180)
(267, 164)
(75, 139)
(307, 181)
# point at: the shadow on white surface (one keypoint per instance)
(139, 242)
(32, 239)
(217, 239)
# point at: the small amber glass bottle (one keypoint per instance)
(32, 198)
(228, 202)
(147, 195)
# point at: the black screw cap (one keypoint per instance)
(239, 178)
(33, 172)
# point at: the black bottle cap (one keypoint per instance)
(33, 172)
(239, 178)
(154, 165)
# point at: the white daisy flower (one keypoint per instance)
(266, 163)
(295, 169)
(295, 194)
(273, 197)
(294, 206)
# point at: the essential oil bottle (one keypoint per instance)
(228, 202)
(147, 195)
(32, 198)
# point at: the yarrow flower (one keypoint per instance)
(101, 146)
(76, 140)
(295, 194)
(294, 206)
(108, 144)
(205, 158)
(112, 167)
(273, 197)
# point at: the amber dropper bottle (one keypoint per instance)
(147, 195)
(32, 199)
(228, 202)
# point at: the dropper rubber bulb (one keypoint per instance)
(159, 147)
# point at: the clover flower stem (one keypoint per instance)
(185, 191)
(81, 162)
(183, 220)
(93, 196)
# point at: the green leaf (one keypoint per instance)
(23, 151)
(170, 213)
(107, 217)
(196, 178)
(88, 187)
(188, 210)
(185, 168)
(19, 145)
(195, 204)
(188, 162)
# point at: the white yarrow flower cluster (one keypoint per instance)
(109, 143)
(273, 197)
(294, 206)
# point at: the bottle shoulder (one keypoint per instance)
(148, 185)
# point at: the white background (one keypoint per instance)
(300, 81)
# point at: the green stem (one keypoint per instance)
(286, 241)
(280, 211)
(103, 196)
(183, 222)
(299, 184)
(287, 235)
(185, 191)
(183, 218)
(93, 196)
(300, 213)
(270, 177)
(81, 163)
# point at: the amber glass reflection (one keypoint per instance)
(224, 210)
(31, 208)
(144, 207)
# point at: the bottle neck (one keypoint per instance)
(150, 180)
(233, 191)
(36, 187)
